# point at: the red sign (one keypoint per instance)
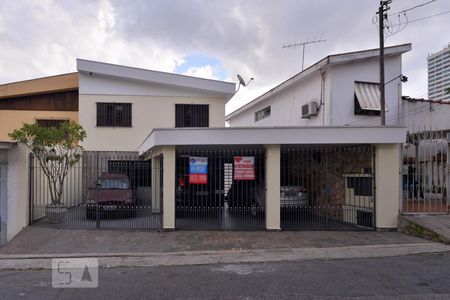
(198, 178)
(244, 168)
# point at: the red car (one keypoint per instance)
(112, 193)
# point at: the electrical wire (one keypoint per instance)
(370, 118)
(411, 8)
(403, 114)
(428, 17)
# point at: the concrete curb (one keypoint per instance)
(107, 260)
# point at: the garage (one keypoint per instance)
(292, 178)
(220, 188)
(327, 187)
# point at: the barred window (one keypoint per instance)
(50, 123)
(114, 114)
(262, 114)
(191, 115)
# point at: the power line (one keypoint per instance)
(424, 18)
(411, 8)
(410, 112)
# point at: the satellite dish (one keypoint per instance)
(242, 82)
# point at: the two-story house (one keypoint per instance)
(341, 89)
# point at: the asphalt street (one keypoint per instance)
(405, 277)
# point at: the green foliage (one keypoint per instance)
(57, 149)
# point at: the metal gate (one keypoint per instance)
(327, 188)
(103, 190)
(220, 188)
(426, 172)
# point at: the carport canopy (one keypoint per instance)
(272, 136)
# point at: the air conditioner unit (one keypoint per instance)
(309, 110)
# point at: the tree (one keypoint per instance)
(57, 149)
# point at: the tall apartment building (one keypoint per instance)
(439, 74)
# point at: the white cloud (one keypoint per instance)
(40, 38)
(203, 72)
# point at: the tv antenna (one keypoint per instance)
(303, 45)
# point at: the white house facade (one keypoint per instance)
(119, 106)
(341, 89)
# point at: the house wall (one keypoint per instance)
(3, 185)
(153, 106)
(17, 190)
(13, 119)
(419, 116)
(338, 97)
(343, 79)
(286, 106)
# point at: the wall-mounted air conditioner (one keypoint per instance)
(309, 110)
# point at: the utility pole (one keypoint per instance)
(303, 45)
(381, 15)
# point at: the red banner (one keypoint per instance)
(244, 168)
(198, 178)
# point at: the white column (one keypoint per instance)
(273, 187)
(387, 180)
(168, 187)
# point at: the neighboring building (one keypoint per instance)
(340, 89)
(124, 104)
(47, 101)
(439, 74)
(425, 114)
(44, 100)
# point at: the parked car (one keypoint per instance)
(292, 196)
(112, 193)
(244, 195)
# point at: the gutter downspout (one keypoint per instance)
(322, 97)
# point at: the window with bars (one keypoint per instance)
(262, 114)
(50, 123)
(191, 115)
(114, 114)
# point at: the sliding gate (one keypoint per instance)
(327, 188)
(110, 189)
(220, 188)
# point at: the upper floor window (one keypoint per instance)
(191, 115)
(111, 114)
(367, 99)
(262, 114)
(50, 123)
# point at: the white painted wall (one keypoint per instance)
(338, 109)
(286, 106)
(419, 116)
(3, 185)
(17, 190)
(343, 79)
(153, 106)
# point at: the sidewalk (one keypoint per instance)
(36, 246)
(40, 240)
(432, 227)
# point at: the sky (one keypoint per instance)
(213, 39)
